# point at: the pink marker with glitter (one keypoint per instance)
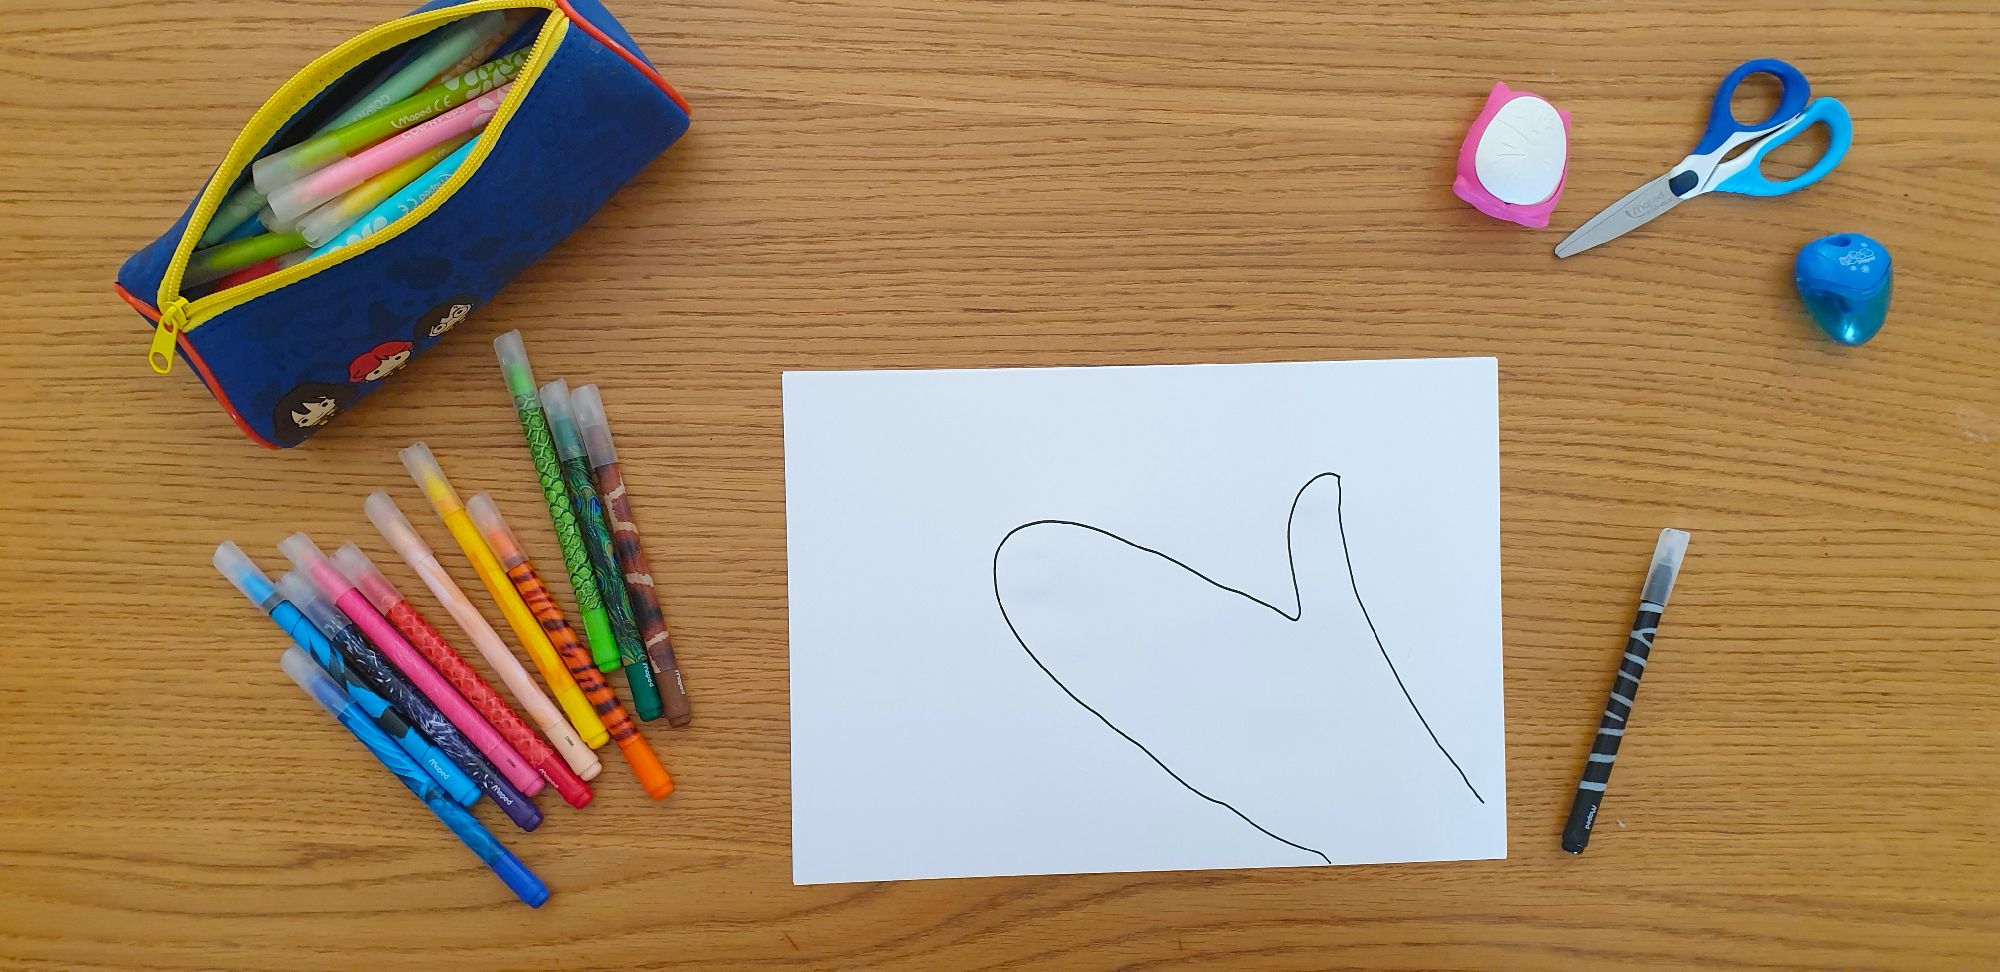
(312, 563)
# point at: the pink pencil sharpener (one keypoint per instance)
(1515, 158)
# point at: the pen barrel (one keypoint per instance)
(376, 672)
(419, 632)
(596, 531)
(646, 610)
(528, 630)
(644, 762)
(1611, 727)
(439, 767)
(555, 495)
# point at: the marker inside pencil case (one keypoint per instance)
(296, 199)
(234, 564)
(379, 675)
(440, 47)
(395, 527)
(424, 468)
(306, 555)
(508, 868)
(397, 205)
(596, 532)
(644, 762)
(275, 171)
(418, 631)
(591, 423)
(220, 260)
(356, 206)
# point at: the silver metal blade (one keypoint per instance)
(1619, 218)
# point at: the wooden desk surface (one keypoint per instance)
(1816, 776)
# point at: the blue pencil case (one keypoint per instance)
(286, 352)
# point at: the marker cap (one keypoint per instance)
(519, 879)
(243, 572)
(493, 527)
(300, 667)
(294, 587)
(514, 363)
(555, 405)
(588, 407)
(425, 470)
(1667, 556)
(356, 567)
(395, 527)
(306, 556)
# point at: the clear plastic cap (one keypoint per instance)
(356, 567)
(588, 407)
(294, 587)
(243, 572)
(300, 668)
(562, 425)
(310, 562)
(493, 526)
(514, 364)
(395, 527)
(429, 475)
(1666, 566)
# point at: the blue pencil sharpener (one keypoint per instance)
(1845, 280)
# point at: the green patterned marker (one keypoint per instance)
(590, 518)
(583, 584)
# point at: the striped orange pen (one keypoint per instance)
(645, 764)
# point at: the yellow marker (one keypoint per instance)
(424, 469)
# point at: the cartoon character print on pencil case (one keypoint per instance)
(429, 643)
(380, 361)
(438, 321)
(575, 657)
(305, 408)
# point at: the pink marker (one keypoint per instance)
(293, 201)
(306, 556)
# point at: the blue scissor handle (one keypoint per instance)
(1749, 181)
(1722, 121)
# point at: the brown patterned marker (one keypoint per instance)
(588, 408)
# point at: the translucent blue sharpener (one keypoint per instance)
(1845, 280)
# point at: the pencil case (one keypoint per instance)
(287, 352)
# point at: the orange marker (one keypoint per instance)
(493, 528)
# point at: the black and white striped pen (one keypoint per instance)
(1611, 728)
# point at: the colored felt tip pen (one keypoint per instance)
(423, 467)
(418, 631)
(342, 220)
(380, 676)
(645, 763)
(596, 532)
(296, 199)
(234, 564)
(548, 468)
(596, 431)
(306, 556)
(438, 50)
(395, 527)
(300, 668)
(1611, 727)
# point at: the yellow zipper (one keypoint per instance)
(178, 315)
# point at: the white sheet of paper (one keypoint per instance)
(1042, 619)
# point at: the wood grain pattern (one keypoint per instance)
(891, 183)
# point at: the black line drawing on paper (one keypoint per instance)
(1152, 557)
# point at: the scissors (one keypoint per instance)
(1709, 170)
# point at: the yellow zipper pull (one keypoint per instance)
(173, 318)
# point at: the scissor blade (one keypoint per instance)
(1621, 217)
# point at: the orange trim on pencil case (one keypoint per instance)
(619, 49)
(152, 313)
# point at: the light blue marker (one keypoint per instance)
(401, 203)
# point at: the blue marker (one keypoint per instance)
(241, 571)
(505, 865)
(377, 673)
